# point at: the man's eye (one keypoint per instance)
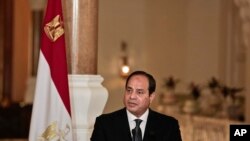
(140, 92)
(129, 91)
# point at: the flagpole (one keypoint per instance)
(87, 94)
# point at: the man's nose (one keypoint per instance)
(133, 95)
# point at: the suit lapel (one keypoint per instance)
(149, 134)
(123, 125)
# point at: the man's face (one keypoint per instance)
(136, 97)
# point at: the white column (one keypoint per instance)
(244, 14)
(88, 98)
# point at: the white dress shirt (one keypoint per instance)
(131, 121)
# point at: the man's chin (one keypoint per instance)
(132, 109)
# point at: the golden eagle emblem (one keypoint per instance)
(52, 133)
(54, 29)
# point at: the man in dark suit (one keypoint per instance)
(137, 122)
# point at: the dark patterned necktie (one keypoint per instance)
(137, 135)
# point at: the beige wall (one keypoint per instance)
(247, 88)
(180, 38)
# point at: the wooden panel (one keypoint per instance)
(1, 45)
(6, 48)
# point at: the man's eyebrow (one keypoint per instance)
(128, 87)
(140, 89)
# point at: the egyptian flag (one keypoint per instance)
(51, 116)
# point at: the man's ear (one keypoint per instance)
(152, 96)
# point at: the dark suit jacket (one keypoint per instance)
(115, 127)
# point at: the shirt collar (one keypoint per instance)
(132, 117)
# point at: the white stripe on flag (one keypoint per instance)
(48, 107)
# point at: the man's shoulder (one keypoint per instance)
(161, 117)
(117, 113)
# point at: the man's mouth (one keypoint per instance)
(132, 104)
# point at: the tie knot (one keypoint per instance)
(138, 122)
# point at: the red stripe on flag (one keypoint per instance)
(55, 53)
